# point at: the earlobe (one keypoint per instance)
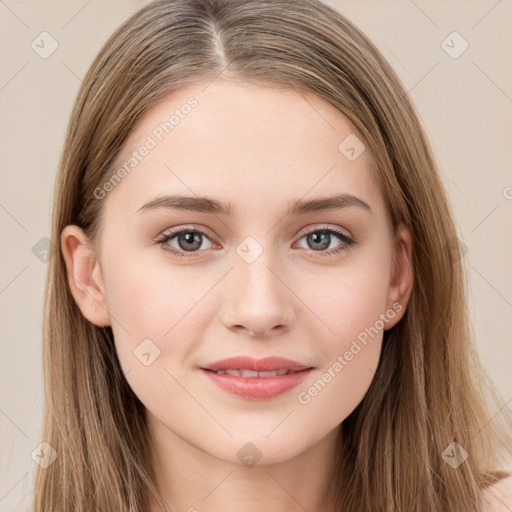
(84, 275)
(402, 277)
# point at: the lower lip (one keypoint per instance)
(257, 388)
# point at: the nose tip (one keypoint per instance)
(260, 302)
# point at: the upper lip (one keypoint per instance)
(265, 364)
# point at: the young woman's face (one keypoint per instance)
(271, 278)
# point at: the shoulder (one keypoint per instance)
(498, 497)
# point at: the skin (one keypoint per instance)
(258, 148)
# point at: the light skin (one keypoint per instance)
(259, 149)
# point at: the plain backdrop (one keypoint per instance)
(464, 97)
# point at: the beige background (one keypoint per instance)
(465, 104)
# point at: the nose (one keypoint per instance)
(260, 301)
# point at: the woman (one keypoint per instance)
(258, 301)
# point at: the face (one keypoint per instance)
(186, 286)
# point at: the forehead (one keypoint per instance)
(250, 145)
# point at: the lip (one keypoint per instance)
(257, 388)
(265, 364)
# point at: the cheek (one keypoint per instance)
(339, 387)
(350, 354)
(351, 306)
(347, 300)
(159, 315)
(147, 302)
(153, 314)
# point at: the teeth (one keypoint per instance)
(268, 374)
(252, 373)
(249, 373)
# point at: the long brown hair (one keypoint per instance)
(429, 388)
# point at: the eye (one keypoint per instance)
(321, 238)
(188, 240)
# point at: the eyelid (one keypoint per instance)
(321, 227)
(184, 227)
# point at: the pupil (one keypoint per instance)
(190, 238)
(316, 239)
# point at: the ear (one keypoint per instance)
(402, 276)
(84, 275)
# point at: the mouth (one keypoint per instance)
(256, 379)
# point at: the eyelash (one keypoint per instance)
(347, 241)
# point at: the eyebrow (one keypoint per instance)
(212, 206)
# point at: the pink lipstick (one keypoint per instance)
(256, 379)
